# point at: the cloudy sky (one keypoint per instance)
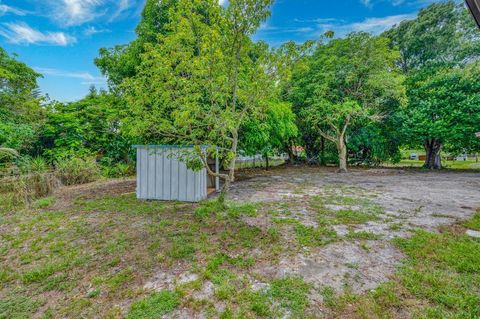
(60, 38)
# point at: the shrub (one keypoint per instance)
(118, 170)
(32, 165)
(73, 171)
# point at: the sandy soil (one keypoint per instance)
(411, 199)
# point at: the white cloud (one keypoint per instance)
(68, 13)
(22, 33)
(74, 12)
(4, 9)
(85, 77)
(378, 25)
(222, 2)
(374, 25)
(91, 30)
(123, 5)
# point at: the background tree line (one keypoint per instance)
(195, 76)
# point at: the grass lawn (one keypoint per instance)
(440, 278)
(106, 255)
(460, 165)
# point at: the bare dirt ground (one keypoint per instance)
(410, 199)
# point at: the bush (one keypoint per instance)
(118, 170)
(73, 171)
(32, 165)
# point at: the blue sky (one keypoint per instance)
(61, 38)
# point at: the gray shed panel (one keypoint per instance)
(161, 175)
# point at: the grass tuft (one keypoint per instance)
(154, 306)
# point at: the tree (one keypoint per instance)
(121, 61)
(21, 113)
(444, 111)
(346, 80)
(202, 80)
(270, 134)
(443, 37)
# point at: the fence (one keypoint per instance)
(259, 161)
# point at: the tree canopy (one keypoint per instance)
(344, 81)
(437, 50)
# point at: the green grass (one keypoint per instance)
(311, 236)
(474, 223)
(93, 258)
(440, 278)
(154, 306)
(292, 293)
(353, 210)
(114, 244)
(455, 165)
(44, 202)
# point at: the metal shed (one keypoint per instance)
(163, 175)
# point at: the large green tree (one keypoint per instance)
(120, 62)
(444, 111)
(21, 113)
(344, 81)
(203, 79)
(435, 48)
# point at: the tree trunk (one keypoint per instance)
(292, 158)
(342, 155)
(322, 151)
(266, 162)
(224, 191)
(433, 148)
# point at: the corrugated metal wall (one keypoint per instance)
(161, 175)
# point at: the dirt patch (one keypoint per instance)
(409, 199)
(65, 196)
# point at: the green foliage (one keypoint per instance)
(20, 111)
(28, 164)
(292, 293)
(154, 306)
(442, 80)
(270, 134)
(203, 79)
(121, 61)
(88, 126)
(7, 154)
(76, 170)
(445, 106)
(118, 170)
(343, 82)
